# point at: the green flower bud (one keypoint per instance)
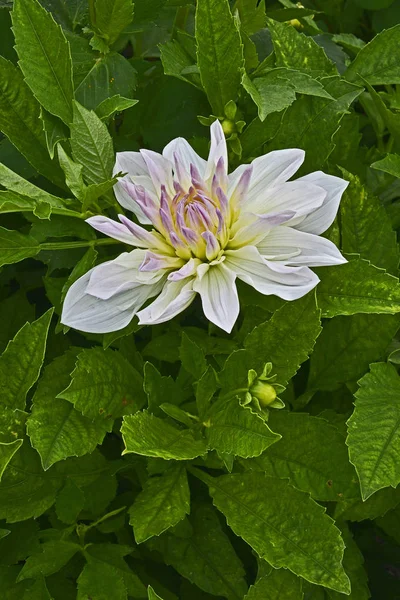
(264, 392)
(228, 126)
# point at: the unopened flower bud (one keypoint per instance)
(228, 126)
(264, 392)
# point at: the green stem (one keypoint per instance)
(92, 13)
(234, 393)
(180, 20)
(82, 244)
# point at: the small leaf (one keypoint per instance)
(73, 173)
(152, 595)
(108, 107)
(206, 388)
(53, 556)
(390, 164)
(70, 502)
(279, 584)
(7, 451)
(178, 63)
(145, 434)
(101, 582)
(112, 17)
(163, 502)
(54, 129)
(159, 388)
(192, 357)
(38, 591)
(15, 246)
(374, 429)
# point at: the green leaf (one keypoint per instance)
(206, 388)
(283, 525)
(112, 17)
(101, 582)
(70, 502)
(145, 434)
(357, 509)
(22, 360)
(312, 454)
(21, 542)
(390, 523)
(237, 430)
(390, 164)
(14, 182)
(366, 228)
(7, 451)
(19, 121)
(287, 339)
(178, 63)
(108, 107)
(374, 430)
(38, 591)
(44, 57)
(104, 386)
(357, 287)
(252, 17)
(279, 584)
(73, 173)
(91, 145)
(163, 502)
(192, 357)
(55, 130)
(297, 51)
(219, 52)
(159, 389)
(259, 133)
(15, 246)
(377, 61)
(56, 429)
(205, 557)
(346, 347)
(53, 556)
(4, 533)
(152, 595)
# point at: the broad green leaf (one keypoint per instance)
(252, 15)
(22, 360)
(377, 61)
(108, 107)
(366, 228)
(10, 589)
(178, 63)
(14, 182)
(15, 246)
(91, 145)
(7, 451)
(390, 164)
(44, 57)
(159, 389)
(192, 357)
(101, 582)
(145, 434)
(312, 454)
(104, 386)
(56, 429)
(280, 584)
(21, 542)
(374, 429)
(347, 346)
(52, 557)
(259, 133)
(310, 122)
(69, 502)
(19, 121)
(163, 502)
(112, 17)
(38, 591)
(16, 311)
(113, 555)
(283, 525)
(287, 339)
(219, 52)
(205, 557)
(297, 51)
(357, 509)
(357, 287)
(236, 430)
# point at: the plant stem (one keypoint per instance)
(82, 244)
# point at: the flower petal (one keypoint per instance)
(129, 233)
(87, 313)
(159, 169)
(300, 248)
(180, 151)
(115, 276)
(268, 277)
(219, 296)
(175, 297)
(133, 164)
(298, 196)
(218, 150)
(321, 218)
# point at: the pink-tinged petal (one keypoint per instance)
(299, 196)
(133, 164)
(159, 262)
(113, 229)
(320, 219)
(174, 298)
(218, 151)
(300, 248)
(188, 270)
(160, 170)
(212, 246)
(146, 205)
(219, 297)
(269, 170)
(88, 313)
(146, 239)
(269, 277)
(179, 150)
(238, 192)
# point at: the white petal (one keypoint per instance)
(269, 170)
(188, 270)
(301, 248)
(218, 150)
(129, 233)
(112, 229)
(219, 296)
(115, 276)
(87, 313)
(320, 219)
(253, 228)
(159, 169)
(298, 196)
(267, 277)
(175, 297)
(182, 151)
(133, 164)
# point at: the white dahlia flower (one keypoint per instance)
(205, 229)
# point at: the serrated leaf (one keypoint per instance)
(22, 360)
(286, 339)
(112, 17)
(377, 61)
(366, 228)
(159, 388)
(205, 390)
(283, 525)
(104, 386)
(390, 164)
(204, 555)
(56, 429)
(235, 429)
(14, 182)
(44, 57)
(178, 63)
(163, 502)
(91, 145)
(192, 357)
(278, 585)
(374, 429)
(52, 557)
(357, 509)
(145, 434)
(7, 451)
(72, 172)
(69, 502)
(219, 52)
(15, 246)
(357, 287)
(312, 454)
(108, 107)
(101, 582)
(346, 348)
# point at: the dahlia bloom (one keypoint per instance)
(206, 228)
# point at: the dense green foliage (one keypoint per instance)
(130, 464)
